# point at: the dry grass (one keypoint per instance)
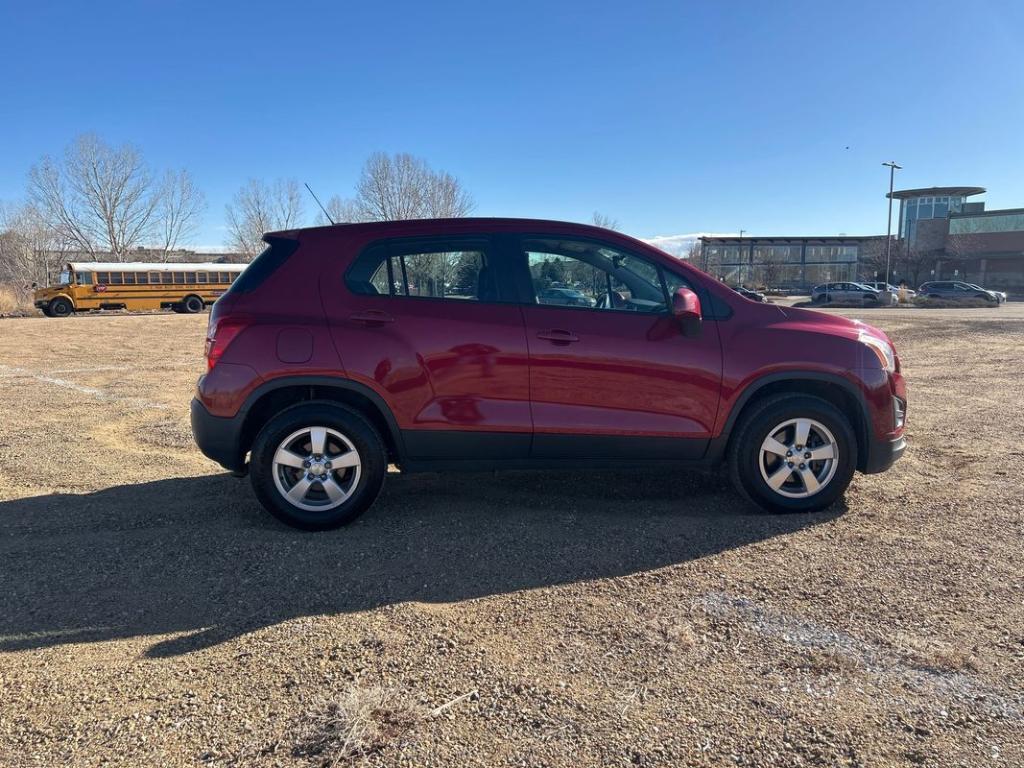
(13, 300)
(934, 654)
(924, 301)
(362, 722)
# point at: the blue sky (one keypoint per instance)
(670, 117)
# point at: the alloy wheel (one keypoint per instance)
(798, 458)
(316, 468)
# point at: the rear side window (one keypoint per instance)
(277, 252)
(453, 270)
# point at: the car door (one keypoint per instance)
(617, 379)
(424, 322)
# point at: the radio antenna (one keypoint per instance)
(319, 203)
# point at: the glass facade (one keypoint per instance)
(781, 265)
(971, 225)
(933, 207)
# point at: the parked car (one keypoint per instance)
(1001, 295)
(845, 292)
(749, 294)
(323, 368)
(568, 297)
(955, 290)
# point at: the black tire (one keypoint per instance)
(192, 304)
(60, 307)
(756, 425)
(348, 423)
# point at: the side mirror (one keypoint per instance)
(686, 309)
(35, 285)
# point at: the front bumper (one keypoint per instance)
(219, 438)
(883, 454)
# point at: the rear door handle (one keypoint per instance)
(371, 317)
(558, 336)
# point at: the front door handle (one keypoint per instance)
(371, 317)
(558, 336)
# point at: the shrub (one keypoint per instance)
(14, 300)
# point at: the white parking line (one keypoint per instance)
(961, 687)
(99, 394)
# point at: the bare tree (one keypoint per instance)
(180, 204)
(694, 254)
(29, 251)
(102, 198)
(258, 208)
(341, 210)
(99, 197)
(401, 186)
(606, 222)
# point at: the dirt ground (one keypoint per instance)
(152, 615)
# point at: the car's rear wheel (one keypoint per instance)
(60, 307)
(318, 465)
(793, 453)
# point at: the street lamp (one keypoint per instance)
(891, 165)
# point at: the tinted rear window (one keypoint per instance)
(263, 266)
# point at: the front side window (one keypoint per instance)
(83, 278)
(459, 272)
(578, 273)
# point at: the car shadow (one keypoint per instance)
(197, 557)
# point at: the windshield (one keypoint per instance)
(65, 277)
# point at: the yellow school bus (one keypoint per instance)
(86, 285)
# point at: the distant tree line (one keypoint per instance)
(103, 202)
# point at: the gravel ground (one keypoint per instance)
(152, 615)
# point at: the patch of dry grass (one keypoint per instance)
(360, 723)
(13, 300)
(933, 654)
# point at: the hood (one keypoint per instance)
(826, 322)
(46, 293)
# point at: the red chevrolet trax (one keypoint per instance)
(503, 343)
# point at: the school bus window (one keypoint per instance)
(179, 277)
(154, 278)
(166, 278)
(84, 278)
(102, 277)
(201, 277)
(116, 278)
(190, 277)
(129, 278)
(142, 278)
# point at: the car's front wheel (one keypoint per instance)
(318, 465)
(793, 453)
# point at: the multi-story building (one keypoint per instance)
(941, 235)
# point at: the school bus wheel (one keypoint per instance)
(60, 307)
(192, 304)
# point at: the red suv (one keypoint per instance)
(450, 344)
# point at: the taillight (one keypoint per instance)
(219, 335)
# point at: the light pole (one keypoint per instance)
(891, 165)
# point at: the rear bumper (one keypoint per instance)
(218, 438)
